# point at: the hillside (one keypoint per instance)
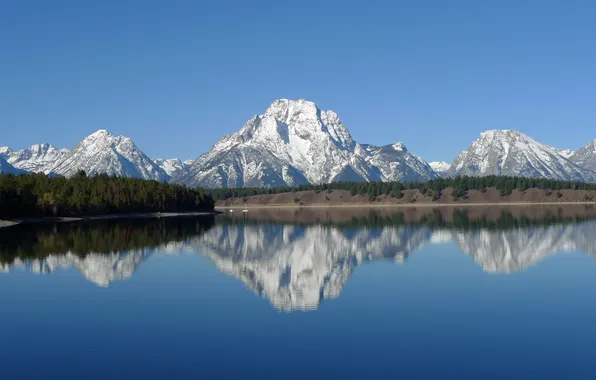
(410, 197)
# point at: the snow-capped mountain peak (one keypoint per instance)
(171, 165)
(400, 147)
(440, 167)
(566, 153)
(585, 156)
(102, 152)
(294, 142)
(5, 152)
(38, 158)
(510, 152)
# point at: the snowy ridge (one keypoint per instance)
(292, 143)
(440, 167)
(5, 152)
(170, 166)
(395, 163)
(585, 156)
(511, 153)
(567, 153)
(39, 158)
(103, 152)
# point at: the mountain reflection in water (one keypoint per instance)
(297, 258)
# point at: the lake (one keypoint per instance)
(304, 293)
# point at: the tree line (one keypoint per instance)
(460, 185)
(39, 195)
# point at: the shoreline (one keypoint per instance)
(400, 205)
(65, 219)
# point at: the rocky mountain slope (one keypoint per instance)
(7, 168)
(509, 152)
(171, 166)
(585, 156)
(5, 152)
(395, 163)
(440, 167)
(39, 158)
(294, 142)
(103, 152)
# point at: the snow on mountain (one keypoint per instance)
(171, 165)
(293, 143)
(103, 152)
(395, 163)
(40, 158)
(440, 167)
(7, 168)
(5, 152)
(566, 153)
(585, 156)
(509, 152)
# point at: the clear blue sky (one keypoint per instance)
(177, 75)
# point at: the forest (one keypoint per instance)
(39, 195)
(460, 186)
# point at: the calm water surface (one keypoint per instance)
(446, 293)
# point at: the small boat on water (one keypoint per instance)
(231, 210)
(244, 210)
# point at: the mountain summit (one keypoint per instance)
(511, 153)
(102, 152)
(293, 143)
(39, 158)
(585, 156)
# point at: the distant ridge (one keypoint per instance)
(294, 142)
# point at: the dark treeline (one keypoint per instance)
(98, 236)
(36, 195)
(432, 188)
(459, 220)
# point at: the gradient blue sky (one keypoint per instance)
(177, 75)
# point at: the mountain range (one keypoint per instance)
(294, 142)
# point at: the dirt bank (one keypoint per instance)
(335, 198)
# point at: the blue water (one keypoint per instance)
(283, 300)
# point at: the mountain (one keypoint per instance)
(5, 152)
(7, 168)
(103, 152)
(440, 167)
(566, 153)
(293, 143)
(171, 165)
(395, 163)
(585, 156)
(511, 153)
(40, 158)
